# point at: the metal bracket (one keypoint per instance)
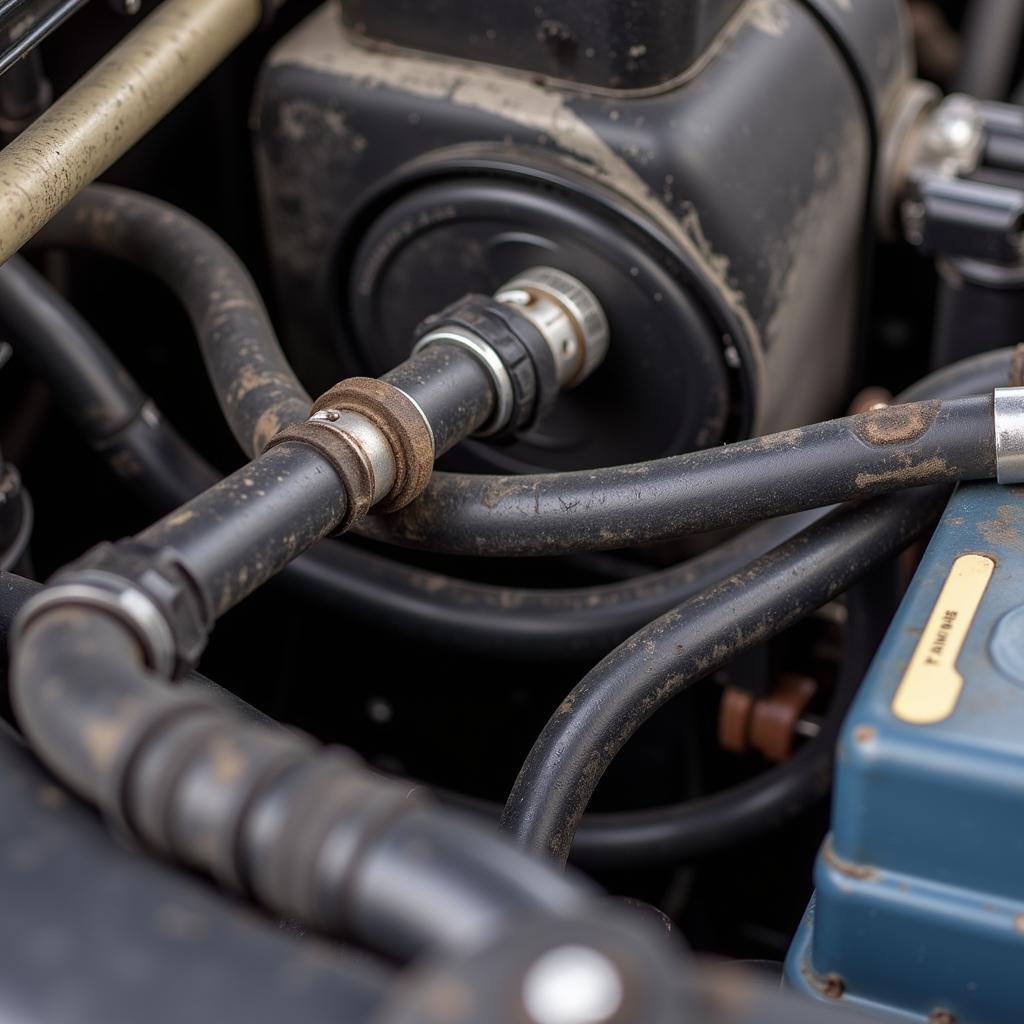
(961, 195)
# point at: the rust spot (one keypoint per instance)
(346, 458)
(399, 419)
(931, 470)
(861, 872)
(864, 733)
(270, 421)
(266, 427)
(784, 440)
(499, 488)
(833, 986)
(1005, 529)
(895, 424)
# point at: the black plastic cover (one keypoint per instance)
(614, 44)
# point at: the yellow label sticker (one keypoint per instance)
(931, 685)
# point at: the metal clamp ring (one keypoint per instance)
(371, 441)
(1008, 417)
(129, 605)
(504, 396)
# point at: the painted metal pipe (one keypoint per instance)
(104, 114)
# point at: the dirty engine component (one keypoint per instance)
(511, 512)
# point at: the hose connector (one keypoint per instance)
(568, 316)
(542, 332)
(509, 347)
(146, 589)
(377, 440)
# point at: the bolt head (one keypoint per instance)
(572, 984)
(515, 297)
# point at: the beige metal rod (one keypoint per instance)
(112, 107)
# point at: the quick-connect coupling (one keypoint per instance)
(568, 316)
(542, 332)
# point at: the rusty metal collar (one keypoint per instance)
(376, 438)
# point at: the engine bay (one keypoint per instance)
(512, 512)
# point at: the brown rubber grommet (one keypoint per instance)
(734, 720)
(399, 419)
(346, 458)
(774, 721)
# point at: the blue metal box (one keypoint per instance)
(919, 910)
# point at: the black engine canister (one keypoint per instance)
(703, 165)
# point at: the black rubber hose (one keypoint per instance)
(246, 528)
(449, 897)
(697, 827)
(97, 393)
(450, 387)
(256, 388)
(312, 834)
(557, 623)
(544, 624)
(308, 831)
(85, 379)
(823, 464)
(992, 34)
(533, 515)
(522, 495)
(683, 646)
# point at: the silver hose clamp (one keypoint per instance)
(129, 605)
(371, 442)
(568, 316)
(1008, 416)
(504, 396)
